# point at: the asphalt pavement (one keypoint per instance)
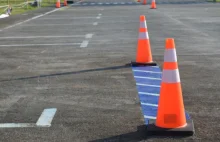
(75, 59)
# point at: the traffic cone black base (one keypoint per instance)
(135, 64)
(188, 130)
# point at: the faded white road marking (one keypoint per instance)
(44, 120)
(89, 35)
(98, 17)
(30, 19)
(95, 23)
(19, 45)
(46, 117)
(84, 43)
(20, 37)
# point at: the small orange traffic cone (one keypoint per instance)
(65, 3)
(171, 117)
(153, 4)
(144, 56)
(58, 4)
(138, 0)
(144, 2)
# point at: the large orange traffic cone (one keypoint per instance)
(65, 3)
(144, 2)
(153, 4)
(58, 4)
(171, 114)
(144, 56)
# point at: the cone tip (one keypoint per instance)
(170, 43)
(142, 18)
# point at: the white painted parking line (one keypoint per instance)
(28, 37)
(17, 125)
(46, 117)
(52, 44)
(100, 14)
(88, 35)
(63, 18)
(98, 17)
(115, 3)
(30, 19)
(146, 71)
(44, 120)
(95, 23)
(148, 104)
(151, 78)
(145, 93)
(140, 84)
(84, 43)
(149, 117)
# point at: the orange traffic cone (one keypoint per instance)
(65, 3)
(144, 56)
(171, 114)
(58, 4)
(138, 0)
(153, 4)
(144, 2)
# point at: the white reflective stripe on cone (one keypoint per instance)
(170, 76)
(143, 24)
(170, 55)
(143, 35)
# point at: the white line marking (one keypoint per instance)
(145, 93)
(16, 125)
(18, 45)
(30, 19)
(89, 35)
(20, 37)
(149, 117)
(100, 3)
(84, 43)
(148, 104)
(139, 84)
(95, 23)
(154, 66)
(115, 3)
(147, 71)
(92, 3)
(100, 14)
(151, 78)
(46, 117)
(98, 17)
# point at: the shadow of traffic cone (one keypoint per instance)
(58, 4)
(65, 3)
(171, 117)
(153, 4)
(144, 56)
(144, 2)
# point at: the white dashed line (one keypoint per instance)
(84, 43)
(95, 23)
(89, 35)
